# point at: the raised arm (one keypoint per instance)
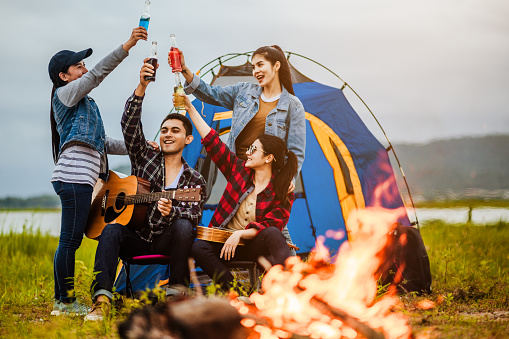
(132, 128)
(201, 125)
(214, 95)
(225, 160)
(76, 90)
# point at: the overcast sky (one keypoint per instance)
(428, 70)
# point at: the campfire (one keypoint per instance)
(332, 298)
(321, 297)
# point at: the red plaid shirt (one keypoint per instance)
(270, 211)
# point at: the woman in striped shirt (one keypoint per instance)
(79, 147)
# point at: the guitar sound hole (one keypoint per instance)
(119, 202)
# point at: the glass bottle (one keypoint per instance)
(145, 15)
(179, 103)
(152, 61)
(174, 55)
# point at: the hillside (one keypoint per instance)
(457, 168)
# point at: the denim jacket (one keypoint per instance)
(81, 122)
(287, 121)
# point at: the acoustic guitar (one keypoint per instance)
(125, 201)
(220, 235)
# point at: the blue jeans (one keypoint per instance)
(118, 241)
(269, 243)
(75, 200)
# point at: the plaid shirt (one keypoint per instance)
(270, 211)
(148, 164)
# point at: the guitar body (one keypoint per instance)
(108, 207)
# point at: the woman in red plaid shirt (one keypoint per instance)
(255, 204)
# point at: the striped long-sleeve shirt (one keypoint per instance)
(270, 211)
(81, 164)
(148, 164)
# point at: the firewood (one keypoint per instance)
(347, 319)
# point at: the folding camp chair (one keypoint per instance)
(151, 259)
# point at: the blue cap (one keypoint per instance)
(64, 59)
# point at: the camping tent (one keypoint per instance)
(344, 162)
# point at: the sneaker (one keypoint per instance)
(99, 310)
(74, 308)
(56, 307)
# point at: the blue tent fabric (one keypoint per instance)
(323, 206)
(370, 157)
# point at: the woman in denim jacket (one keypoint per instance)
(79, 147)
(269, 107)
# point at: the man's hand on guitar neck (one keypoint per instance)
(164, 206)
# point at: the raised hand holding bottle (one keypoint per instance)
(174, 55)
(152, 61)
(145, 15)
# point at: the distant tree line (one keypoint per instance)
(42, 201)
(468, 167)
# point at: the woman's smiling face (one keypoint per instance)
(256, 157)
(264, 71)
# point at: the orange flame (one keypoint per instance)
(349, 285)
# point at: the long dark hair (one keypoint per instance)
(284, 164)
(275, 53)
(55, 137)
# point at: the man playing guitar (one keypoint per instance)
(168, 228)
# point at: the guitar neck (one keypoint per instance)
(148, 197)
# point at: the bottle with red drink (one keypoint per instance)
(152, 61)
(174, 55)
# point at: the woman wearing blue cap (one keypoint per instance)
(79, 152)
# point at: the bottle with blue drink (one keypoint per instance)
(145, 15)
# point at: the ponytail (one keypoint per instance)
(55, 137)
(284, 165)
(284, 177)
(275, 53)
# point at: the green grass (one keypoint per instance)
(469, 264)
(470, 268)
(26, 284)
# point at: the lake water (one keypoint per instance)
(50, 221)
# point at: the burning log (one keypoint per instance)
(348, 320)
